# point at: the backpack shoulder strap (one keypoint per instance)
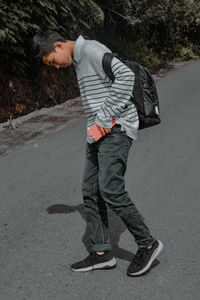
(106, 63)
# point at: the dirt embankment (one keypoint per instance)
(44, 88)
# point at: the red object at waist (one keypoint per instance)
(95, 131)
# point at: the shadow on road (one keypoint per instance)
(116, 228)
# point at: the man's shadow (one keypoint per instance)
(116, 228)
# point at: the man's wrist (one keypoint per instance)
(104, 123)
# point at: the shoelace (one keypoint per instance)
(92, 256)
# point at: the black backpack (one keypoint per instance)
(145, 96)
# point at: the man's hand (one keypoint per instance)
(105, 130)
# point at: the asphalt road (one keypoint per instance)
(43, 230)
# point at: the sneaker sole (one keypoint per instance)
(154, 255)
(105, 265)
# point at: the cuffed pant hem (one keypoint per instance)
(149, 243)
(101, 247)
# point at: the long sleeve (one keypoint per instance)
(101, 99)
(120, 93)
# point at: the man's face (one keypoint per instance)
(60, 58)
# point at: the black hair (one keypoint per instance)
(42, 44)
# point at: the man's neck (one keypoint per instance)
(70, 46)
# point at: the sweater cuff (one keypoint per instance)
(104, 122)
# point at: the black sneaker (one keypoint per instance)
(143, 259)
(95, 261)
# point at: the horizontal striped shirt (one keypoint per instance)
(103, 100)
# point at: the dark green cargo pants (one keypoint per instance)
(103, 182)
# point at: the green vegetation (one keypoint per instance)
(19, 21)
(151, 31)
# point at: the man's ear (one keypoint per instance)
(58, 45)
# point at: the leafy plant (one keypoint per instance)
(21, 19)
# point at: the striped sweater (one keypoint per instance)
(103, 100)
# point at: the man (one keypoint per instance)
(106, 159)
